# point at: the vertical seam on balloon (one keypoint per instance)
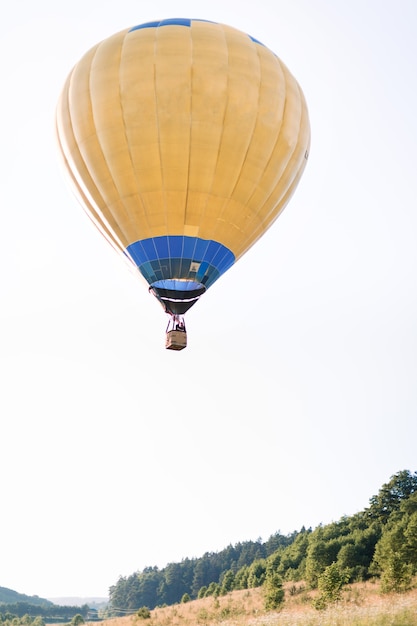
(159, 142)
(214, 175)
(108, 205)
(196, 239)
(296, 173)
(286, 168)
(76, 144)
(256, 183)
(94, 217)
(101, 219)
(134, 173)
(254, 123)
(128, 213)
(227, 201)
(191, 120)
(189, 136)
(277, 140)
(285, 197)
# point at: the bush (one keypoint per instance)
(396, 576)
(144, 612)
(213, 590)
(273, 592)
(330, 584)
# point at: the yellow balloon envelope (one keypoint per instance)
(184, 140)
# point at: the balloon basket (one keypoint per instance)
(176, 340)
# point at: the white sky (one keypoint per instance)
(296, 398)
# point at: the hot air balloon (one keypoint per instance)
(184, 140)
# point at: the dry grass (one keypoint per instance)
(362, 605)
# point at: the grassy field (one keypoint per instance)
(362, 605)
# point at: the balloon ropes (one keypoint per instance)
(184, 140)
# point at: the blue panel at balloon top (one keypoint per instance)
(182, 258)
(175, 21)
(178, 21)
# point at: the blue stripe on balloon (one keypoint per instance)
(171, 257)
(256, 41)
(179, 21)
(176, 21)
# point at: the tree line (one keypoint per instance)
(48, 612)
(8, 619)
(379, 542)
(19, 606)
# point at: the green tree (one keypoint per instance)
(203, 574)
(330, 584)
(185, 598)
(355, 556)
(241, 578)
(396, 575)
(273, 591)
(273, 562)
(293, 558)
(227, 583)
(150, 582)
(175, 586)
(213, 590)
(400, 487)
(392, 555)
(77, 620)
(321, 553)
(143, 612)
(410, 535)
(257, 573)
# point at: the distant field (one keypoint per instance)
(362, 605)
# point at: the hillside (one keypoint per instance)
(8, 596)
(376, 543)
(20, 605)
(362, 604)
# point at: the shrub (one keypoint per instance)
(273, 591)
(396, 575)
(143, 612)
(330, 583)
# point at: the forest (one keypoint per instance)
(19, 609)
(379, 542)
